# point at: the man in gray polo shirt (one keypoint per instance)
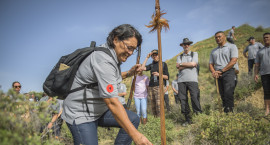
(252, 50)
(188, 80)
(262, 64)
(230, 36)
(104, 107)
(221, 63)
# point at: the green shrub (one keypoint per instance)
(152, 130)
(245, 86)
(259, 29)
(238, 128)
(21, 120)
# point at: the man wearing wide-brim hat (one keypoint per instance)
(252, 50)
(186, 41)
(188, 80)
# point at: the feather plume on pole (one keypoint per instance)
(157, 20)
(157, 24)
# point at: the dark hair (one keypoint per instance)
(219, 32)
(233, 26)
(267, 33)
(123, 32)
(14, 83)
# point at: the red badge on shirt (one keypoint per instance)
(110, 88)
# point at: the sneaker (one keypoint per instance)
(186, 123)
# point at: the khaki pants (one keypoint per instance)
(154, 100)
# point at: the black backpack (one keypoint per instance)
(59, 81)
(198, 65)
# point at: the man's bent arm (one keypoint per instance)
(189, 64)
(230, 64)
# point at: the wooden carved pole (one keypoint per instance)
(158, 23)
(134, 80)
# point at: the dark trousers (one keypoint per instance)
(251, 63)
(57, 126)
(177, 100)
(266, 86)
(167, 102)
(194, 93)
(226, 85)
(230, 40)
(86, 133)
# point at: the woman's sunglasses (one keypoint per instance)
(17, 86)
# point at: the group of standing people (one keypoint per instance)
(106, 102)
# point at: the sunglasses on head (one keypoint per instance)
(17, 86)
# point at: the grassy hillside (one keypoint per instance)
(248, 101)
(204, 47)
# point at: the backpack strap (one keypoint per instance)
(181, 56)
(92, 85)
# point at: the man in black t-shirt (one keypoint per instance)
(153, 89)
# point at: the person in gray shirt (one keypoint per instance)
(230, 36)
(166, 96)
(175, 90)
(252, 50)
(188, 80)
(262, 64)
(104, 107)
(122, 91)
(221, 63)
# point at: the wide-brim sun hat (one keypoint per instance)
(186, 41)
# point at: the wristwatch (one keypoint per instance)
(220, 70)
(180, 64)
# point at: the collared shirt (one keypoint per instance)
(230, 34)
(221, 56)
(252, 50)
(263, 58)
(175, 86)
(188, 74)
(98, 67)
(122, 89)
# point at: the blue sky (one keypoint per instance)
(36, 33)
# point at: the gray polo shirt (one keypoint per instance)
(175, 86)
(97, 67)
(121, 89)
(263, 58)
(252, 50)
(221, 56)
(230, 34)
(188, 74)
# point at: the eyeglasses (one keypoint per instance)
(185, 44)
(153, 55)
(17, 86)
(130, 48)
